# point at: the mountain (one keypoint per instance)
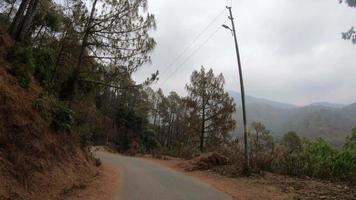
(255, 100)
(333, 122)
(328, 104)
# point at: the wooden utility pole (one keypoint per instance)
(233, 30)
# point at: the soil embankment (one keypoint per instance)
(36, 162)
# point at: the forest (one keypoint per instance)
(83, 55)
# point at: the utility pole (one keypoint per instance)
(233, 30)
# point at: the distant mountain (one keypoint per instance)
(255, 100)
(328, 104)
(332, 122)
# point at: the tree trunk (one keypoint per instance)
(10, 12)
(18, 19)
(202, 130)
(27, 23)
(202, 135)
(82, 49)
(59, 57)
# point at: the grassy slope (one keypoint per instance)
(35, 161)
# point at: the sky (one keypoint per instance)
(291, 51)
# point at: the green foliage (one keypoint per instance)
(44, 60)
(22, 64)
(132, 122)
(148, 139)
(292, 141)
(318, 157)
(261, 147)
(212, 106)
(86, 135)
(26, 62)
(351, 33)
(345, 160)
(48, 16)
(351, 3)
(38, 104)
(130, 119)
(62, 118)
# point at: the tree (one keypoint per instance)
(292, 142)
(213, 106)
(261, 146)
(117, 35)
(22, 22)
(259, 129)
(350, 34)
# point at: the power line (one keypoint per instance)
(191, 55)
(192, 42)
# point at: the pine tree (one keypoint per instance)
(213, 106)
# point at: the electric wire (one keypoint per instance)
(191, 55)
(191, 44)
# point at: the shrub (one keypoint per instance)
(319, 158)
(38, 104)
(286, 162)
(22, 75)
(44, 61)
(62, 118)
(149, 141)
(345, 161)
(23, 64)
(39, 62)
(86, 135)
(344, 165)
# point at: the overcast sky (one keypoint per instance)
(291, 50)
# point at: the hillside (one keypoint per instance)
(329, 121)
(36, 162)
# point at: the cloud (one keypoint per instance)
(291, 51)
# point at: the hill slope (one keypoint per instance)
(35, 161)
(329, 121)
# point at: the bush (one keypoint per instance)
(23, 64)
(86, 135)
(319, 158)
(38, 104)
(148, 140)
(345, 161)
(62, 118)
(44, 61)
(344, 165)
(37, 62)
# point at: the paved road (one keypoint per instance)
(146, 180)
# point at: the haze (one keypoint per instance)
(291, 51)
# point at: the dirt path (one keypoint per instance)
(147, 180)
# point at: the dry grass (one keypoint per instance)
(35, 161)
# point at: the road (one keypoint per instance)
(146, 180)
